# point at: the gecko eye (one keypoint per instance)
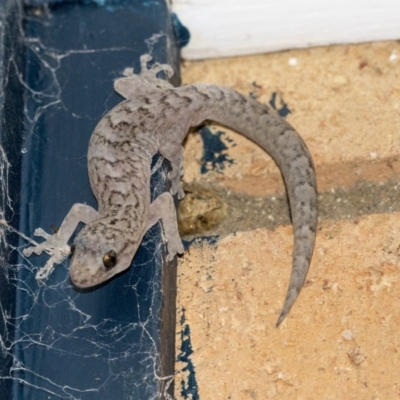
(110, 259)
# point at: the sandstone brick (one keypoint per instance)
(340, 340)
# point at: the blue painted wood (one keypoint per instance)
(115, 341)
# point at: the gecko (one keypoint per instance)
(155, 117)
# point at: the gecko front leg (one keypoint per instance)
(57, 245)
(163, 208)
(173, 152)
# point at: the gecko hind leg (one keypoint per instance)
(150, 74)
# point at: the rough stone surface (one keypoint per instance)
(341, 338)
(232, 293)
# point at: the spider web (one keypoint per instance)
(58, 342)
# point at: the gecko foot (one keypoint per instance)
(131, 86)
(52, 242)
(150, 74)
(176, 188)
(163, 208)
(176, 184)
(174, 247)
(56, 248)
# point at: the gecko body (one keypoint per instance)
(155, 117)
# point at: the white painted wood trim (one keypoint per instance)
(221, 28)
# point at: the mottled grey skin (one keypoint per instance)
(156, 118)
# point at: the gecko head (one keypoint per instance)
(97, 258)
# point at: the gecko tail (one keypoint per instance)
(281, 141)
(301, 264)
(291, 297)
(282, 316)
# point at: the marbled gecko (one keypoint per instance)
(155, 117)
